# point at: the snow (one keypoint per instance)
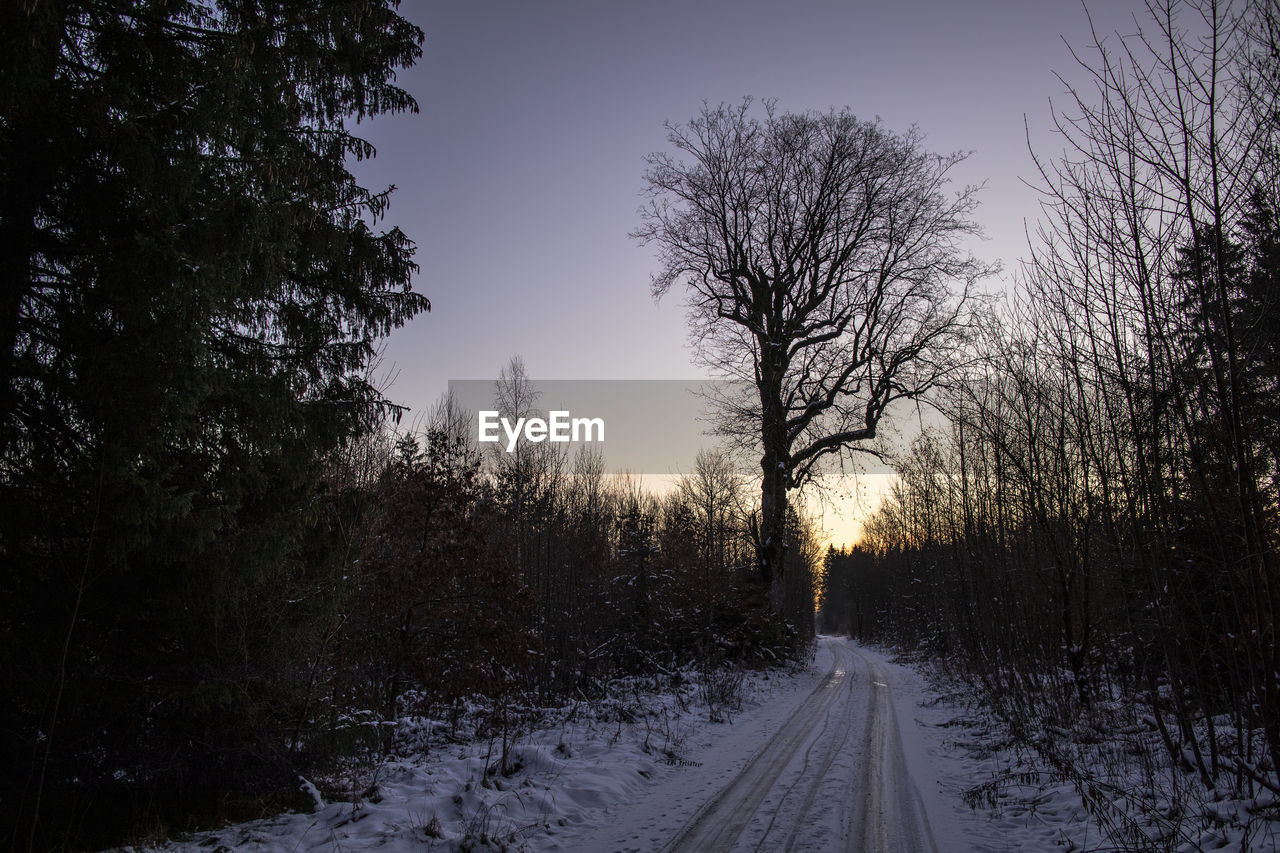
(582, 768)
(980, 792)
(856, 750)
(308, 788)
(994, 794)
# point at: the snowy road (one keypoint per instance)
(834, 756)
(832, 777)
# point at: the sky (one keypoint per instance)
(520, 177)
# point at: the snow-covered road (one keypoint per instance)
(833, 776)
(832, 757)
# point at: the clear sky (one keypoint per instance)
(520, 178)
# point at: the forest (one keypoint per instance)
(1090, 533)
(228, 559)
(225, 558)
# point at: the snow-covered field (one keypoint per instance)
(853, 752)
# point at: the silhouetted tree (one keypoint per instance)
(820, 253)
(1099, 518)
(192, 289)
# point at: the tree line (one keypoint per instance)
(193, 284)
(1098, 519)
(531, 576)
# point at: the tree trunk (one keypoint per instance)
(772, 544)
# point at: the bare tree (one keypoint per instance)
(713, 493)
(1169, 151)
(823, 259)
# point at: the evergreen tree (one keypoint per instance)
(193, 283)
(1259, 307)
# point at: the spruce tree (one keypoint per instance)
(193, 284)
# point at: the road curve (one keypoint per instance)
(833, 777)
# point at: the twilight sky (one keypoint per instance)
(521, 176)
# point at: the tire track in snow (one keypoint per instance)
(721, 820)
(832, 748)
(889, 815)
(880, 810)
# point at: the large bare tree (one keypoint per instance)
(824, 261)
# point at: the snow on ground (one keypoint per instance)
(644, 771)
(982, 793)
(994, 795)
(581, 768)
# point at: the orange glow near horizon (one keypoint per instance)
(849, 500)
(839, 509)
